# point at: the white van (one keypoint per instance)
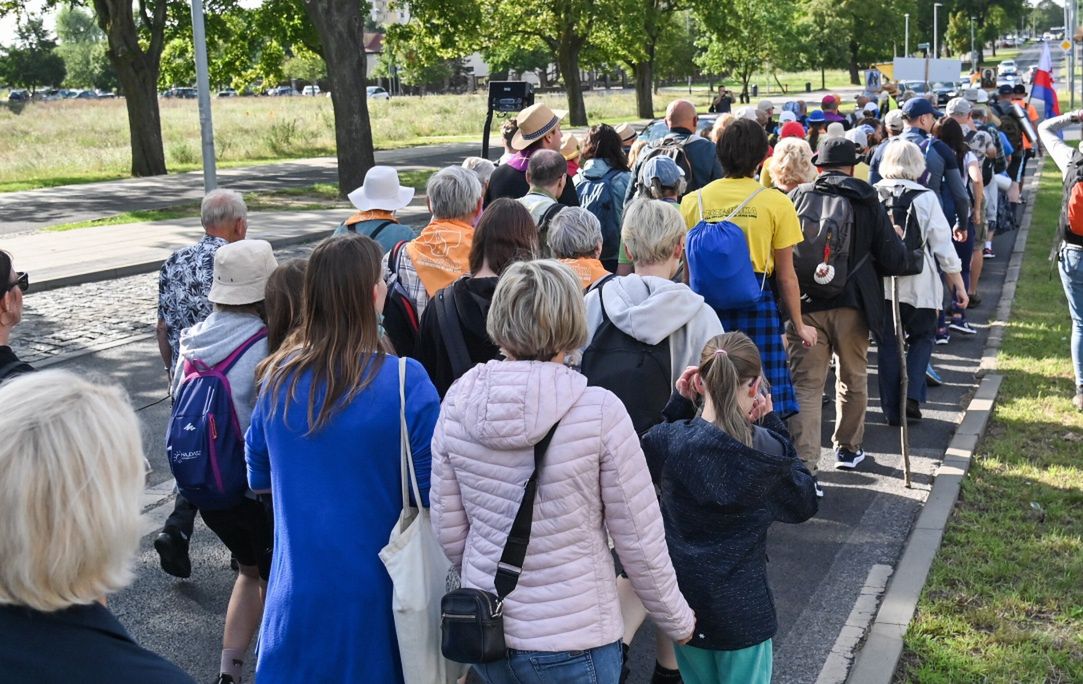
(312, 90)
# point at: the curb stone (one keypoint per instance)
(878, 658)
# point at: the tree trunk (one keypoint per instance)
(644, 73)
(339, 24)
(855, 73)
(137, 71)
(568, 60)
(823, 78)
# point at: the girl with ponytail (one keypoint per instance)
(727, 471)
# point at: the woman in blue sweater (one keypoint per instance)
(324, 441)
(726, 475)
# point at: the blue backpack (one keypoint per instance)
(719, 263)
(204, 443)
(596, 196)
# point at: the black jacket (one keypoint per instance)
(873, 236)
(507, 181)
(718, 499)
(472, 298)
(10, 365)
(77, 644)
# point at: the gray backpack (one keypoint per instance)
(822, 259)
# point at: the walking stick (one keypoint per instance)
(905, 379)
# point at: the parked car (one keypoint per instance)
(377, 93)
(182, 93)
(282, 91)
(657, 129)
(1006, 67)
(227, 92)
(86, 95)
(311, 90)
(945, 92)
(18, 95)
(919, 87)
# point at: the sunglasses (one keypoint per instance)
(22, 281)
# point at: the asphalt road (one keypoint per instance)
(817, 569)
(34, 209)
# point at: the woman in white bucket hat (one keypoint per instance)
(376, 202)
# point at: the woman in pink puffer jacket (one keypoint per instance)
(562, 622)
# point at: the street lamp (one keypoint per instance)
(973, 54)
(906, 45)
(936, 36)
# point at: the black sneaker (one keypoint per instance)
(819, 489)
(172, 549)
(913, 411)
(225, 679)
(848, 460)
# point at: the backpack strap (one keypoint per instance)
(227, 364)
(599, 286)
(447, 315)
(548, 216)
(740, 206)
(380, 228)
(393, 257)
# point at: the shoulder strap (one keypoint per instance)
(600, 285)
(511, 561)
(742, 205)
(227, 364)
(380, 228)
(406, 453)
(699, 199)
(7, 368)
(447, 315)
(393, 257)
(549, 214)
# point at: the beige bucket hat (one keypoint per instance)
(534, 123)
(241, 270)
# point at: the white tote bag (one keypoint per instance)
(418, 569)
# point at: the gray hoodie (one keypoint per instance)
(215, 338)
(651, 309)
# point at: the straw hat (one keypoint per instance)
(627, 134)
(381, 191)
(241, 270)
(569, 149)
(534, 123)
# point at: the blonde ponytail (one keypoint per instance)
(728, 360)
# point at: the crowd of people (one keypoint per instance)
(662, 318)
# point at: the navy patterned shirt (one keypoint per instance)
(183, 285)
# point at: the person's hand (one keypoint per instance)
(686, 384)
(962, 299)
(958, 233)
(807, 334)
(761, 406)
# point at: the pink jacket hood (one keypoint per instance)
(593, 486)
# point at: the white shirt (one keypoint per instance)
(924, 290)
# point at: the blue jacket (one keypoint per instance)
(718, 499)
(945, 178)
(595, 170)
(387, 234)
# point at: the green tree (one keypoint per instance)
(821, 26)
(178, 65)
(32, 61)
(992, 18)
(533, 56)
(675, 56)
(83, 49)
(304, 65)
(745, 37)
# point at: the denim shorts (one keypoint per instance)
(599, 665)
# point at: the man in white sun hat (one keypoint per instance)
(539, 129)
(376, 202)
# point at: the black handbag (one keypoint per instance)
(472, 620)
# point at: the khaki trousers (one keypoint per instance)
(842, 332)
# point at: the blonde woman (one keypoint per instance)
(791, 164)
(562, 623)
(720, 125)
(71, 485)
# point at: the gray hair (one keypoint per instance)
(574, 233)
(222, 207)
(546, 167)
(453, 193)
(902, 160)
(482, 167)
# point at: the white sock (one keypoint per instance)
(232, 663)
(988, 244)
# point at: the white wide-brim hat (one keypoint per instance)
(381, 191)
(241, 270)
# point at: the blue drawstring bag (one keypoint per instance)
(719, 263)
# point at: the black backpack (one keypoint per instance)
(671, 147)
(822, 259)
(543, 229)
(637, 372)
(900, 210)
(401, 321)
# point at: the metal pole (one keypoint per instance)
(906, 44)
(936, 37)
(206, 128)
(973, 52)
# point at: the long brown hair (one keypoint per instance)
(728, 361)
(282, 302)
(338, 338)
(505, 234)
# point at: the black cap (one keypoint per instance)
(1004, 90)
(1019, 89)
(836, 152)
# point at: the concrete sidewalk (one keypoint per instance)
(85, 255)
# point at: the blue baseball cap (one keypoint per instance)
(663, 168)
(816, 116)
(918, 106)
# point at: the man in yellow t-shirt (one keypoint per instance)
(770, 225)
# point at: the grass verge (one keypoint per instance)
(1004, 599)
(311, 198)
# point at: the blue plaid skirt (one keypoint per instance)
(761, 322)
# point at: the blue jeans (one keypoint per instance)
(1071, 277)
(919, 326)
(599, 665)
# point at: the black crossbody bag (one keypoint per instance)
(472, 620)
